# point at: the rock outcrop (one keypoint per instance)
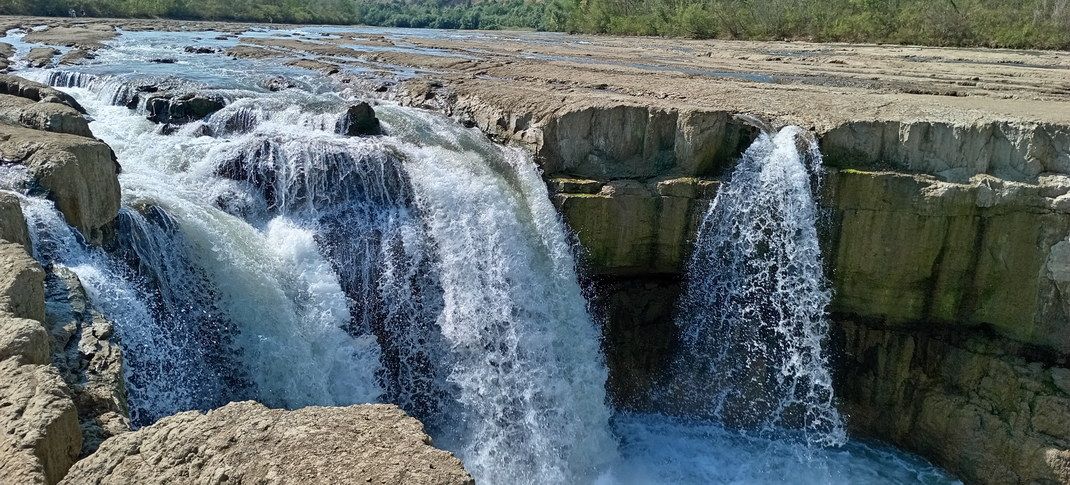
(54, 117)
(87, 354)
(966, 401)
(42, 129)
(984, 254)
(17, 86)
(40, 437)
(180, 109)
(359, 120)
(52, 374)
(249, 443)
(39, 57)
(78, 173)
(6, 51)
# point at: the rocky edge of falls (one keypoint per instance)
(62, 400)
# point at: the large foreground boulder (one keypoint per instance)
(249, 443)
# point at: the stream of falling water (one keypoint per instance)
(752, 318)
(262, 255)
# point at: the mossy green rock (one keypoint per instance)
(912, 249)
(626, 228)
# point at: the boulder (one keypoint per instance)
(39, 57)
(23, 339)
(77, 56)
(359, 120)
(200, 50)
(249, 443)
(41, 438)
(21, 283)
(277, 83)
(181, 109)
(54, 117)
(35, 91)
(12, 223)
(79, 173)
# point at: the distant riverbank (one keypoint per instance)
(1040, 24)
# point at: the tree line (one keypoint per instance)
(991, 23)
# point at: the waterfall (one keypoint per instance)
(296, 266)
(753, 315)
(524, 353)
(165, 361)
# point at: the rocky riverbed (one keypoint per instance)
(946, 233)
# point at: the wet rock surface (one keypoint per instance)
(249, 443)
(181, 109)
(359, 120)
(86, 352)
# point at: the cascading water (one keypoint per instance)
(426, 268)
(262, 255)
(752, 318)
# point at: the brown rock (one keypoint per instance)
(79, 173)
(12, 223)
(55, 117)
(23, 339)
(35, 91)
(41, 438)
(21, 283)
(249, 443)
(41, 56)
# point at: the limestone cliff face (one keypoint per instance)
(948, 247)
